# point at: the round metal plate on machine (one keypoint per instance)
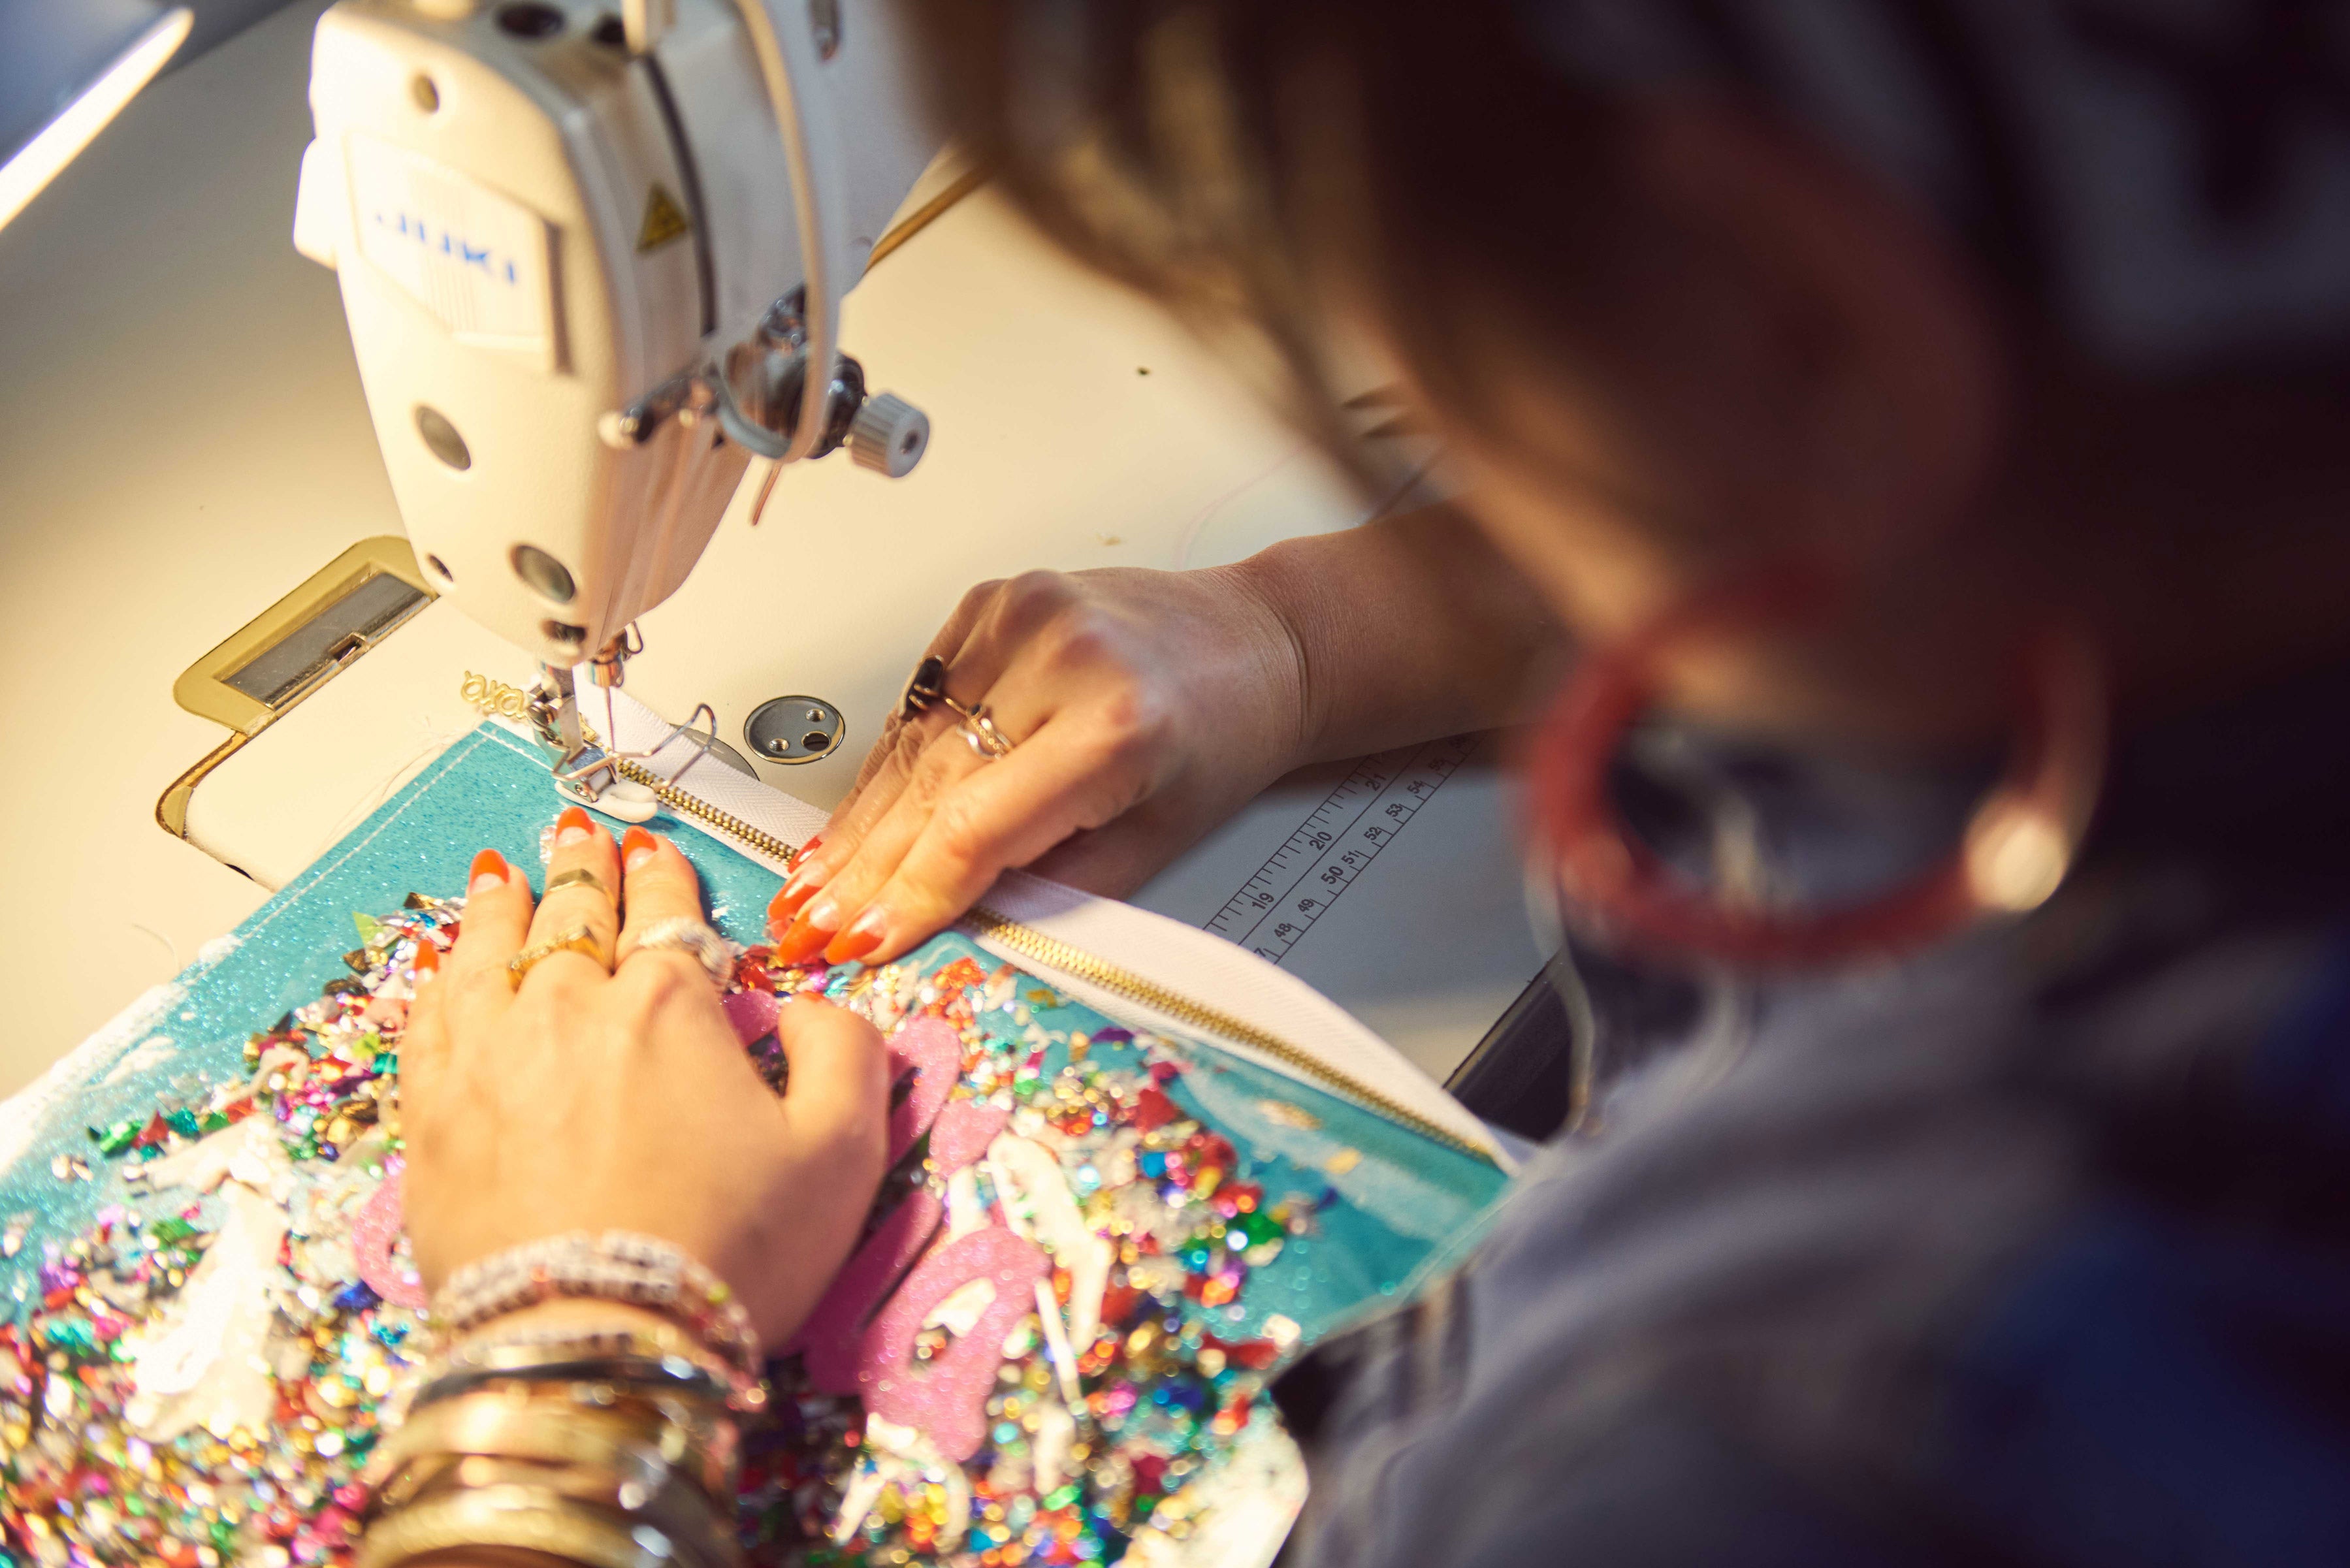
(732, 758)
(792, 729)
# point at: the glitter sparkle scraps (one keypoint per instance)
(200, 1374)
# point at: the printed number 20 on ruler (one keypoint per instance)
(1334, 845)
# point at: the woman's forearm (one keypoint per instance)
(1407, 628)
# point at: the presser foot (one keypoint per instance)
(592, 770)
(592, 779)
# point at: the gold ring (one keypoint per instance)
(577, 940)
(577, 878)
(979, 732)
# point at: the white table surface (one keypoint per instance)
(182, 440)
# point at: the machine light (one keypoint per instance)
(89, 111)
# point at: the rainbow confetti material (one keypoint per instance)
(1094, 1249)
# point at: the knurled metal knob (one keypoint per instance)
(889, 435)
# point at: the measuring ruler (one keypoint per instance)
(1336, 844)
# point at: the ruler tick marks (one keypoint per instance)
(1336, 841)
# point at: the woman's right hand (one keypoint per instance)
(1145, 708)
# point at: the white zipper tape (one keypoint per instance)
(1177, 957)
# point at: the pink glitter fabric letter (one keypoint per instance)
(963, 1132)
(929, 1049)
(829, 1336)
(753, 1014)
(947, 1399)
(373, 1231)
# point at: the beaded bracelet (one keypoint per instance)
(616, 1265)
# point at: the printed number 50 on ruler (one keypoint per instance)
(1335, 845)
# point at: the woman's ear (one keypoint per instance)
(1877, 356)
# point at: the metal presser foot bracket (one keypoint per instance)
(588, 771)
(583, 773)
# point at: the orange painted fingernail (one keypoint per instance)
(802, 942)
(780, 910)
(850, 946)
(573, 826)
(810, 847)
(490, 870)
(860, 939)
(805, 872)
(637, 846)
(787, 903)
(427, 960)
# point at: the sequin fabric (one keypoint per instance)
(1189, 1254)
(1092, 1251)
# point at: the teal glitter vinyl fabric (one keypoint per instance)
(1258, 1214)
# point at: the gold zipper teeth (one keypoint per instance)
(668, 794)
(1054, 953)
(692, 805)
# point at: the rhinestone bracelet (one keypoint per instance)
(615, 1265)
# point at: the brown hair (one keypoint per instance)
(1202, 150)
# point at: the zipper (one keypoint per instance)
(497, 699)
(701, 811)
(1051, 952)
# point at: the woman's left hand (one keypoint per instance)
(589, 1100)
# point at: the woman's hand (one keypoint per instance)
(624, 1101)
(1145, 707)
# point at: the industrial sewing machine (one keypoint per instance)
(604, 257)
(1077, 428)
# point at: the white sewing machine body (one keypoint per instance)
(1077, 427)
(578, 285)
(562, 237)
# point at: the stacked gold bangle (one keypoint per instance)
(527, 1519)
(600, 1472)
(613, 1447)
